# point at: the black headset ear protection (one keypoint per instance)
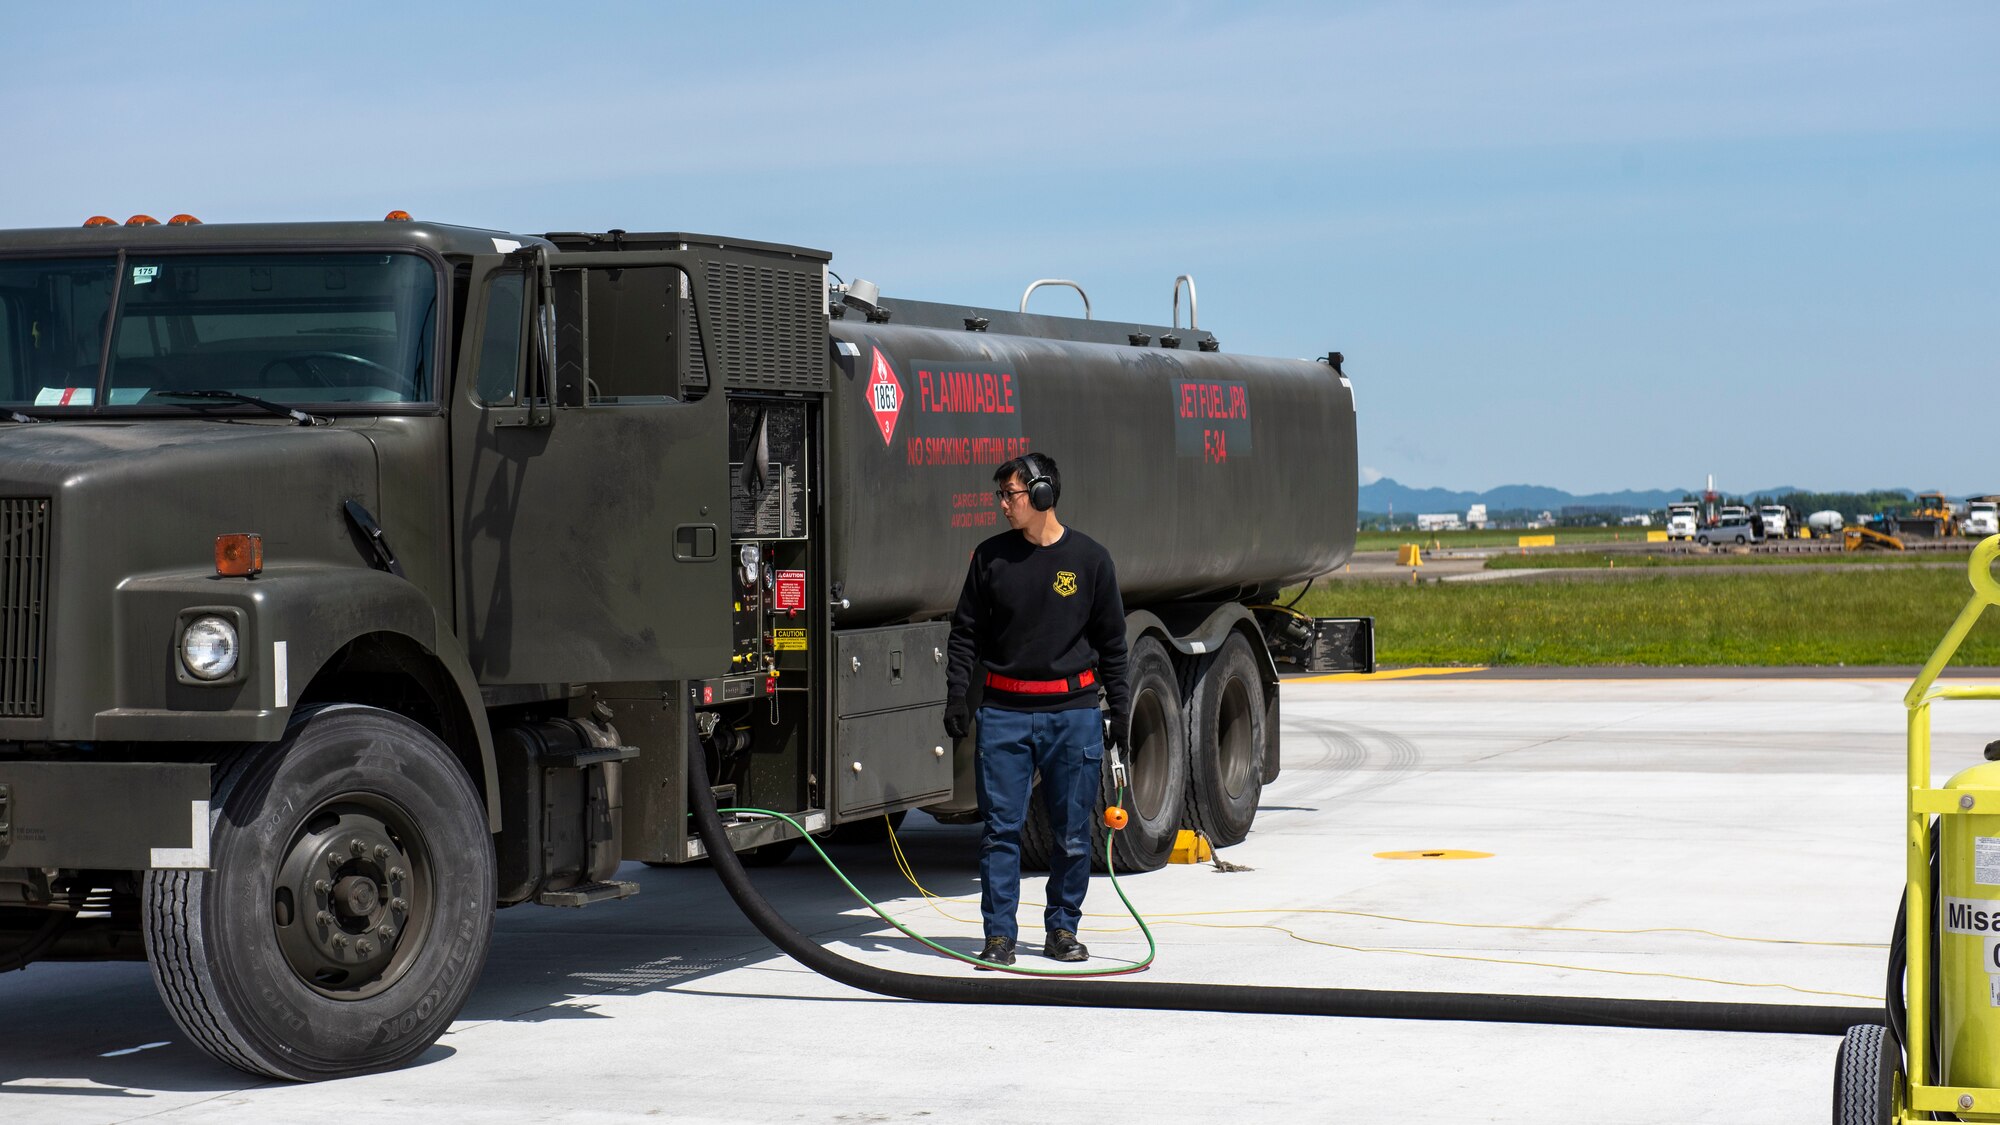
(1041, 489)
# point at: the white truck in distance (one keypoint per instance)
(1982, 518)
(1681, 520)
(1776, 522)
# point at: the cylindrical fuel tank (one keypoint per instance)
(1205, 474)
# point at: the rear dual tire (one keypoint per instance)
(1156, 765)
(1227, 714)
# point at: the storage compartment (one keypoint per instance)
(893, 758)
(889, 668)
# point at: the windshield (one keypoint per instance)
(300, 328)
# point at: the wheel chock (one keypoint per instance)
(1190, 847)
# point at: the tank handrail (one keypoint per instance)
(1193, 319)
(1034, 285)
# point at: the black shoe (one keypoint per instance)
(1063, 946)
(998, 950)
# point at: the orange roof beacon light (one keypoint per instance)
(240, 555)
(396, 217)
(142, 221)
(100, 221)
(183, 220)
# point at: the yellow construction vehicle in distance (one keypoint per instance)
(1859, 538)
(1934, 518)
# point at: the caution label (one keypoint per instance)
(788, 591)
(788, 640)
(1986, 861)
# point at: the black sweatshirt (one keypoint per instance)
(1040, 613)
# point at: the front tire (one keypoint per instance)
(348, 908)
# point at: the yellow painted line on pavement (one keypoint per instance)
(1391, 674)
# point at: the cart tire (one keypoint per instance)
(1864, 1078)
(1156, 771)
(1226, 737)
(348, 906)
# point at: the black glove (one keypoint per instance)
(1120, 731)
(957, 717)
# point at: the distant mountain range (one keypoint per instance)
(1386, 495)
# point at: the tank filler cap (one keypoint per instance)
(976, 323)
(1138, 339)
(1210, 344)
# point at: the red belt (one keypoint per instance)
(1041, 687)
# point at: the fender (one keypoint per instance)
(290, 621)
(1195, 628)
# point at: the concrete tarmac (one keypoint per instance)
(1631, 825)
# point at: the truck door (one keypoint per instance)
(591, 487)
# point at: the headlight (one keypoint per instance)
(208, 648)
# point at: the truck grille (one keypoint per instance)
(24, 587)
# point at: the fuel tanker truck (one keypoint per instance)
(363, 578)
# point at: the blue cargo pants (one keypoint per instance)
(1067, 747)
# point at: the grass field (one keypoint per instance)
(1755, 618)
(1390, 540)
(1599, 560)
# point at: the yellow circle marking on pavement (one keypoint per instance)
(1435, 853)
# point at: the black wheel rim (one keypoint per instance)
(1236, 749)
(352, 900)
(1149, 750)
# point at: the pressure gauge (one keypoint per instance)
(748, 558)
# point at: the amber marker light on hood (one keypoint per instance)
(100, 221)
(239, 556)
(396, 217)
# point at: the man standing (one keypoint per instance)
(1041, 622)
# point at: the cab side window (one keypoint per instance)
(616, 335)
(500, 340)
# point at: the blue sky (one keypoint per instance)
(1587, 245)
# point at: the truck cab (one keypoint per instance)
(1777, 521)
(1682, 520)
(1982, 518)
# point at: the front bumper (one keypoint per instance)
(117, 816)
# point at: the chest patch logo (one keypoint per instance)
(1065, 583)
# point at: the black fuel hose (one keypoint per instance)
(1681, 1015)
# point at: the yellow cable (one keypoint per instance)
(903, 864)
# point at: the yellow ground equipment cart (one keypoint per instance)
(1939, 1057)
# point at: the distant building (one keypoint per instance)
(1447, 521)
(1475, 517)
(1640, 519)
